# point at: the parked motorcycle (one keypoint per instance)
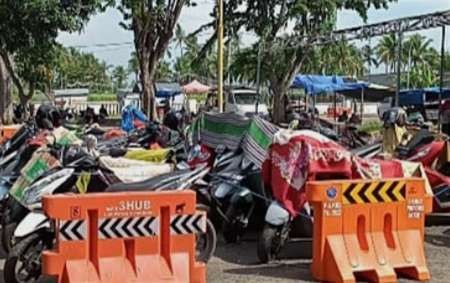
(34, 232)
(178, 181)
(432, 152)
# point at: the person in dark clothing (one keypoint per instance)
(343, 117)
(172, 121)
(90, 117)
(103, 111)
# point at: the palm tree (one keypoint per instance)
(133, 66)
(180, 38)
(386, 51)
(120, 76)
(369, 56)
(419, 51)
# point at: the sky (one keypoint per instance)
(104, 28)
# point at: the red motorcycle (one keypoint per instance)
(433, 154)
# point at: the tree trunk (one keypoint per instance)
(148, 91)
(6, 111)
(279, 108)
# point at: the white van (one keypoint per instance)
(243, 101)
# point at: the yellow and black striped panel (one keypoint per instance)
(374, 192)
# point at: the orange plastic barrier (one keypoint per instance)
(125, 237)
(373, 230)
(6, 132)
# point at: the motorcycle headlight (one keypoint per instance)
(222, 190)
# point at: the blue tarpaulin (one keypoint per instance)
(167, 90)
(420, 96)
(129, 114)
(317, 84)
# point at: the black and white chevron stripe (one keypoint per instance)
(72, 230)
(188, 224)
(132, 227)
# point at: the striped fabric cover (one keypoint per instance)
(258, 139)
(226, 129)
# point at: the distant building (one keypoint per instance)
(71, 96)
(391, 79)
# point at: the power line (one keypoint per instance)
(102, 44)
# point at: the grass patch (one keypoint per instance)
(371, 127)
(102, 97)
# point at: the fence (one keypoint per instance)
(113, 107)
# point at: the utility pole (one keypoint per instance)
(441, 78)
(220, 55)
(399, 68)
(230, 41)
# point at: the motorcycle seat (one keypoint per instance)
(148, 184)
(128, 170)
(421, 138)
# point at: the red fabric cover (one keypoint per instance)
(40, 139)
(309, 157)
(206, 155)
(427, 154)
(114, 133)
(138, 124)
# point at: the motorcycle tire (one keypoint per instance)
(266, 246)
(206, 251)
(10, 266)
(7, 235)
(231, 230)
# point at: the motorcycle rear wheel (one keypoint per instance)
(7, 235)
(206, 243)
(268, 243)
(232, 230)
(16, 262)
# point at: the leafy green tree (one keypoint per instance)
(164, 71)
(340, 58)
(369, 56)
(153, 23)
(386, 51)
(287, 52)
(421, 76)
(120, 76)
(180, 38)
(417, 51)
(73, 68)
(421, 61)
(133, 66)
(28, 31)
(447, 62)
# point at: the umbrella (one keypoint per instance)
(195, 87)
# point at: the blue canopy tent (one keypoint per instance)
(317, 84)
(167, 90)
(421, 96)
(359, 90)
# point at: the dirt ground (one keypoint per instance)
(238, 262)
